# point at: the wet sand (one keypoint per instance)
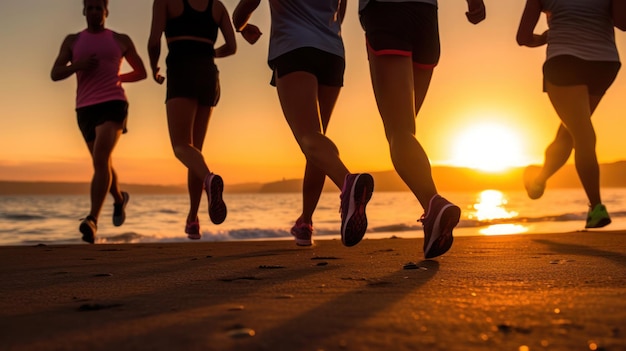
(520, 292)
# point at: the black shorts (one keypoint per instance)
(326, 67)
(567, 70)
(403, 28)
(192, 74)
(89, 117)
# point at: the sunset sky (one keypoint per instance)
(485, 105)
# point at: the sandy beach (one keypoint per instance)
(522, 292)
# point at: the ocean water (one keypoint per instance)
(54, 219)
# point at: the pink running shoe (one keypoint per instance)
(438, 222)
(214, 187)
(356, 193)
(193, 230)
(303, 233)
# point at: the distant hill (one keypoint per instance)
(446, 178)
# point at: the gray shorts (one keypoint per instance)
(326, 67)
(567, 70)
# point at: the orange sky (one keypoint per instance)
(483, 80)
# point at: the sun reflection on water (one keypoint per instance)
(490, 207)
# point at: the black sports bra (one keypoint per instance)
(193, 23)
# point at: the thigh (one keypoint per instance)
(298, 94)
(181, 113)
(327, 96)
(392, 82)
(200, 125)
(107, 135)
(571, 103)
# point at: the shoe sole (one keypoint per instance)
(302, 242)
(447, 219)
(602, 223)
(355, 224)
(193, 236)
(217, 207)
(88, 234)
(119, 220)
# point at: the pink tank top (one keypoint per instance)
(103, 83)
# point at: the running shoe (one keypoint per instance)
(119, 210)
(598, 217)
(438, 222)
(214, 186)
(88, 228)
(303, 233)
(356, 193)
(193, 230)
(534, 189)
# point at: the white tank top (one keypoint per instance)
(581, 28)
(305, 23)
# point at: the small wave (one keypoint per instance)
(167, 211)
(257, 233)
(395, 228)
(22, 217)
(125, 238)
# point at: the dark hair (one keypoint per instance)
(106, 3)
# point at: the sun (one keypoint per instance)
(488, 147)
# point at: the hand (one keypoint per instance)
(86, 64)
(476, 11)
(251, 33)
(157, 77)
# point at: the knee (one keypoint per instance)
(179, 150)
(586, 141)
(400, 139)
(309, 144)
(101, 163)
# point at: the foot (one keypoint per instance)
(356, 193)
(193, 230)
(303, 233)
(598, 217)
(438, 223)
(88, 228)
(534, 189)
(119, 210)
(214, 186)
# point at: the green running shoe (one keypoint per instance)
(598, 217)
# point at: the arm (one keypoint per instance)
(159, 19)
(61, 69)
(342, 10)
(132, 57)
(226, 27)
(241, 15)
(476, 11)
(525, 32)
(619, 14)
